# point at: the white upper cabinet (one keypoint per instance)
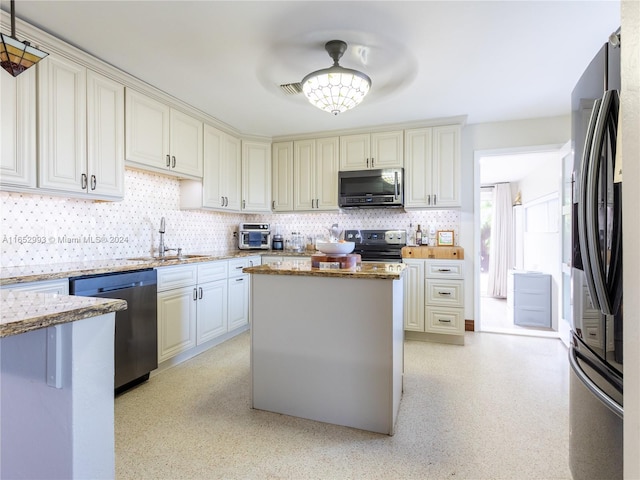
(162, 138)
(316, 174)
(18, 133)
(282, 176)
(81, 130)
(375, 150)
(105, 136)
(221, 180)
(432, 167)
(256, 176)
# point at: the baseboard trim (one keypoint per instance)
(469, 326)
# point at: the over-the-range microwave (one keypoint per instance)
(371, 188)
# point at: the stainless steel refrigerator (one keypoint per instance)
(596, 357)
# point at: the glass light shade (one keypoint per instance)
(17, 56)
(336, 89)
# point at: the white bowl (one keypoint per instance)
(335, 247)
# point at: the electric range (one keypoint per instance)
(378, 245)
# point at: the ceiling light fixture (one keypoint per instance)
(17, 56)
(336, 89)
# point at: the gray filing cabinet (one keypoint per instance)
(530, 298)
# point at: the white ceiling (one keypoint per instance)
(492, 61)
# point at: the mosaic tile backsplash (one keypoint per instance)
(42, 229)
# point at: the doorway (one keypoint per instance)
(535, 177)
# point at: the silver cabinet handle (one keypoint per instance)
(244, 204)
(222, 201)
(444, 269)
(200, 293)
(94, 182)
(174, 162)
(444, 321)
(444, 293)
(239, 268)
(226, 201)
(273, 204)
(435, 200)
(195, 294)
(83, 181)
(428, 199)
(372, 163)
(168, 161)
(240, 279)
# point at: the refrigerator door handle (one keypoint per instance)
(583, 199)
(608, 110)
(614, 406)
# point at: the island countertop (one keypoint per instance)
(26, 311)
(378, 271)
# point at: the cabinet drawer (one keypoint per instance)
(447, 293)
(178, 276)
(210, 272)
(236, 265)
(444, 320)
(444, 269)
(61, 287)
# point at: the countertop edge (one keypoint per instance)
(48, 319)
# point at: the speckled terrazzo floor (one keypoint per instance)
(496, 408)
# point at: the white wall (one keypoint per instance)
(519, 135)
(630, 100)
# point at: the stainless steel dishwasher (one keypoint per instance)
(136, 335)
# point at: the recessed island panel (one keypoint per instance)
(327, 345)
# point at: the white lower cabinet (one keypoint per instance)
(59, 287)
(201, 302)
(434, 300)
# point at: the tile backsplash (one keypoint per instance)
(43, 229)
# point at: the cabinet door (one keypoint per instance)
(105, 136)
(231, 174)
(387, 150)
(185, 144)
(304, 174)
(256, 176)
(212, 310)
(282, 177)
(18, 132)
(62, 115)
(147, 131)
(213, 158)
(238, 307)
(355, 152)
(176, 321)
(446, 166)
(414, 295)
(326, 173)
(418, 167)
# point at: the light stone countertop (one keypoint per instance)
(377, 271)
(54, 271)
(26, 311)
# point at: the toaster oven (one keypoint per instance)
(254, 236)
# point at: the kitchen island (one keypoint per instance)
(327, 345)
(56, 385)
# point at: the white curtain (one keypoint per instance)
(500, 254)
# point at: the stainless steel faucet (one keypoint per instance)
(161, 249)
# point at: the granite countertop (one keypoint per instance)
(377, 271)
(54, 271)
(26, 311)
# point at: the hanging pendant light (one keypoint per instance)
(336, 89)
(17, 56)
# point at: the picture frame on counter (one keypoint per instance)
(444, 238)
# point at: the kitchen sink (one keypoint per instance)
(166, 258)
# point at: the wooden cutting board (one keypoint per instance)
(448, 253)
